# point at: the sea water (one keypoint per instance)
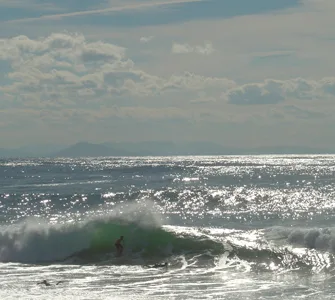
(229, 227)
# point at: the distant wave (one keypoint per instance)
(320, 239)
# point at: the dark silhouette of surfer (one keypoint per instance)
(46, 283)
(159, 265)
(118, 245)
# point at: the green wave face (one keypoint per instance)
(148, 241)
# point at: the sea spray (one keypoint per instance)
(33, 240)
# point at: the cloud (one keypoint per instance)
(63, 67)
(207, 49)
(275, 91)
(146, 39)
(203, 100)
(134, 6)
(273, 54)
(303, 113)
(66, 72)
(269, 92)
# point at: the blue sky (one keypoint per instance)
(239, 72)
(165, 14)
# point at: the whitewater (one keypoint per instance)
(229, 227)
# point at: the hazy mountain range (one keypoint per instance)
(84, 149)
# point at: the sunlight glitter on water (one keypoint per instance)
(273, 215)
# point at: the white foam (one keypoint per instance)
(311, 238)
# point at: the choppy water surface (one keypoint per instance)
(237, 227)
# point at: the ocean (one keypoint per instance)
(229, 227)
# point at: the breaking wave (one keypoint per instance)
(146, 238)
(35, 241)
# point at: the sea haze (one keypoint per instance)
(152, 148)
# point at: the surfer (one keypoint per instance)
(118, 245)
(46, 283)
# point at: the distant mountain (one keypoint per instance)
(40, 150)
(152, 148)
(288, 150)
(163, 148)
(147, 148)
(84, 149)
(202, 148)
(13, 153)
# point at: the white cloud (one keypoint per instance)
(275, 91)
(207, 49)
(269, 92)
(68, 65)
(195, 82)
(64, 73)
(146, 39)
(181, 48)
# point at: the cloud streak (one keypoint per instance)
(206, 49)
(102, 11)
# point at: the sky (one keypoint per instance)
(237, 72)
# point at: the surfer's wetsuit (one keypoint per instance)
(119, 247)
